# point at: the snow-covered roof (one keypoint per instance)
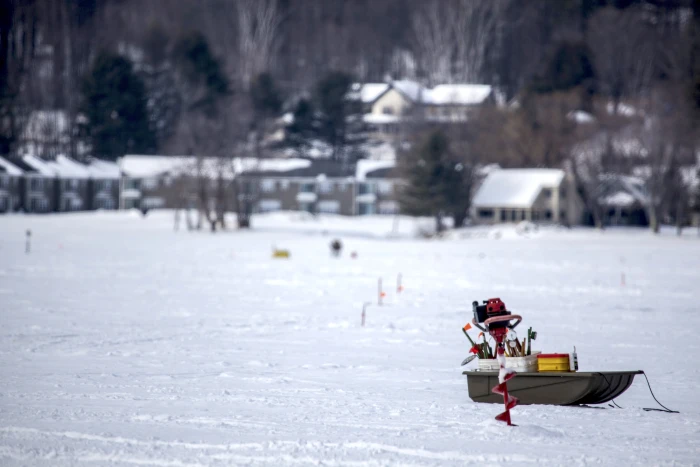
(269, 165)
(368, 92)
(411, 89)
(619, 198)
(580, 116)
(139, 166)
(442, 94)
(103, 169)
(68, 168)
(622, 190)
(515, 188)
(365, 166)
(458, 94)
(42, 167)
(8, 168)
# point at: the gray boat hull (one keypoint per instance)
(552, 388)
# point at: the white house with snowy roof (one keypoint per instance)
(385, 105)
(536, 195)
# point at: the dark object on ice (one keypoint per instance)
(28, 245)
(565, 388)
(336, 247)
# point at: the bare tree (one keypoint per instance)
(477, 28)
(434, 41)
(258, 22)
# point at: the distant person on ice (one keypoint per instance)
(336, 247)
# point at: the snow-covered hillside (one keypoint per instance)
(125, 343)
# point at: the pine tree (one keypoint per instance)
(438, 181)
(114, 101)
(267, 104)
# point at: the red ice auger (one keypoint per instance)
(497, 319)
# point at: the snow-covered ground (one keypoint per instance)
(125, 343)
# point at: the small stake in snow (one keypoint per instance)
(364, 308)
(28, 244)
(622, 279)
(380, 292)
(399, 287)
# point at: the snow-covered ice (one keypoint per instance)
(125, 343)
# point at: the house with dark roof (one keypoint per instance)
(10, 186)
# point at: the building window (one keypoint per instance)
(3, 182)
(365, 209)
(562, 192)
(38, 205)
(547, 192)
(307, 188)
(503, 215)
(388, 207)
(384, 187)
(485, 213)
(548, 214)
(329, 206)
(149, 183)
(342, 186)
(269, 205)
(386, 110)
(3, 204)
(267, 185)
(307, 207)
(325, 186)
(284, 184)
(365, 188)
(70, 185)
(36, 184)
(104, 185)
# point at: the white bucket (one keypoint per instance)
(526, 364)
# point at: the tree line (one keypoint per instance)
(212, 76)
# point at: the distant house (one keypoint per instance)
(386, 105)
(624, 200)
(39, 190)
(311, 185)
(103, 189)
(73, 181)
(11, 178)
(174, 181)
(537, 195)
(377, 183)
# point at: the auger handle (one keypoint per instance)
(498, 319)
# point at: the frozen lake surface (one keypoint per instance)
(125, 343)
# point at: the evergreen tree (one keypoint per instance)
(267, 104)
(114, 101)
(569, 66)
(332, 102)
(304, 126)
(438, 181)
(202, 80)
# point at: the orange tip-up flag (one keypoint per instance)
(467, 327)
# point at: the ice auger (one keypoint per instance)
(494, 315)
